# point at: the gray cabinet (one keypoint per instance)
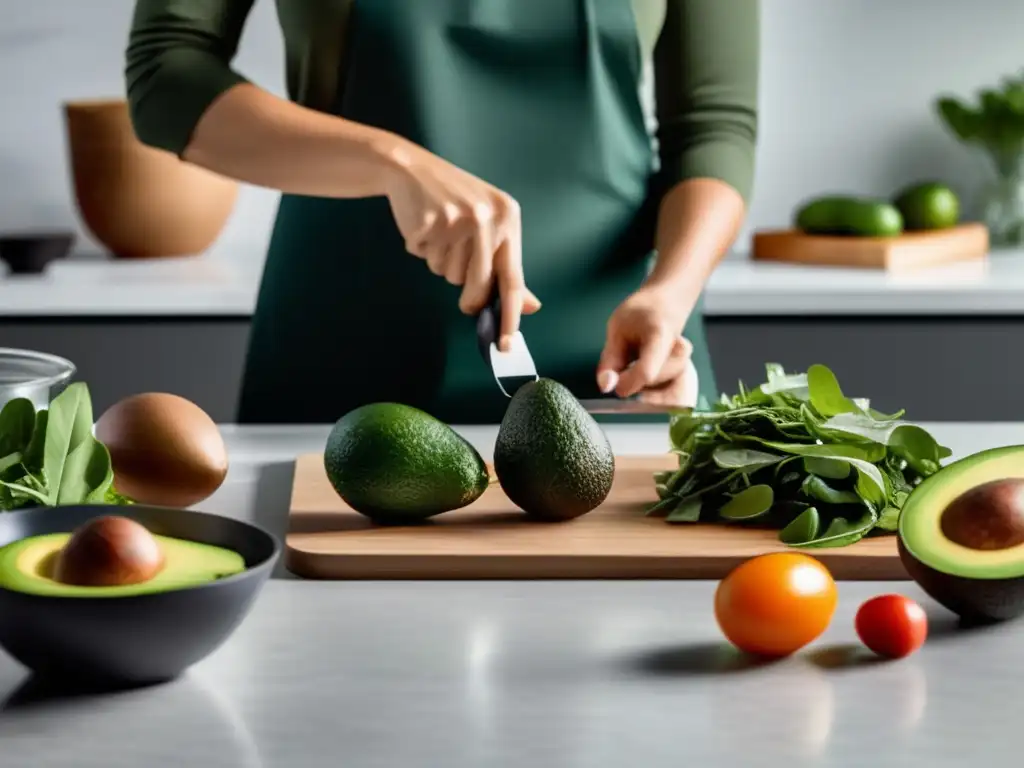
(939, 369)
(200, 359)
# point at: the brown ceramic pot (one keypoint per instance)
(137, 201)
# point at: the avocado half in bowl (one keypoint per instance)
(961, 535)
(128, 595)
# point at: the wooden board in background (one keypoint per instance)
(491, 539)
(911, 250)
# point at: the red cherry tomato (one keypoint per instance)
(892, 625)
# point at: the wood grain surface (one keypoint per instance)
(492, 539)
(911, 250)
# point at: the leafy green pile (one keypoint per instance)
(995, 122)
(51, 458)
(795, 454)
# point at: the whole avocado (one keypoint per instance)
(551, 457)
(928, 205)
(396, 464)
(850, 216)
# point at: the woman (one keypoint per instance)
(593, 155)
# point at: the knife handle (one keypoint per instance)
(488, 323)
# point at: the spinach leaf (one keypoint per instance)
(87, 474)
(800, 453)
(34, 450)
(889, 520)
(748, 504)
(802, 528)
(687, 511)
(17, 420)
(69, 424)
(11, 460)
(841, 532)
(743, 459)
(55, 459)
(825, 467)
(825, 393)
(816, 488)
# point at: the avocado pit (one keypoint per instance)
(987, 517)
(109, 551)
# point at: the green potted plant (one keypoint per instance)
(994, 123)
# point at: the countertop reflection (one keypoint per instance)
(498, 674)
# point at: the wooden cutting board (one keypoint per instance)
(491, 539)
(911, 250)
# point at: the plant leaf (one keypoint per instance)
(26, 492)
(11, 460)
(842, 532)
(749, 503)
(889, 520)
(34, 452)
(802, 528)
(825, 467)
(88, 474)
(69, 424)
(825, 393)
(778, 381)
(17, 420)
(816, 488)
(743, 459)
(686, 511)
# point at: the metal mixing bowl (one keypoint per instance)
(36, 375)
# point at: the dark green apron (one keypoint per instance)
(539, 98)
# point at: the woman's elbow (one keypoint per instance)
(147, 102)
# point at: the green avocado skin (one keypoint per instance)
(843, 215)
(551, 457)
(397, 464)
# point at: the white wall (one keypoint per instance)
(847, 87)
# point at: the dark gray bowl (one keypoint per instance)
(31, 253)
(138, 639)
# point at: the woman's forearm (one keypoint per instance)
(255, 137)
(697, 223)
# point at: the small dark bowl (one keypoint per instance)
(138, 639)
(31, 254)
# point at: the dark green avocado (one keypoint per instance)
(396, 464)
(551, 457)
(848, 215)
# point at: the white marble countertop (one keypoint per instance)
(519, 674)
(226, 285)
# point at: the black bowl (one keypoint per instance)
(32, 253)
(137, 639)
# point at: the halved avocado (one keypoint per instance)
(961, 535)
(27, 566)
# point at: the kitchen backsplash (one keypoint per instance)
(846, 96)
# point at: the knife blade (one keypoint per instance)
(624, 405)
(511, 369)
(612, 404)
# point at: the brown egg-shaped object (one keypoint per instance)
(165, 449)
(108, 551)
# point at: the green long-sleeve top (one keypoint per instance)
(699, 88)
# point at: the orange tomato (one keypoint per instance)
(892, 625)
(773, 605)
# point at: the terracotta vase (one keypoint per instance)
(137, 201)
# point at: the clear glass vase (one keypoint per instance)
(1003, 201)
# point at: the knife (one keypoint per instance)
(515, 368)
(511, 369)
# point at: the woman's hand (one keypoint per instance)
(466, 230)
(645, 354)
